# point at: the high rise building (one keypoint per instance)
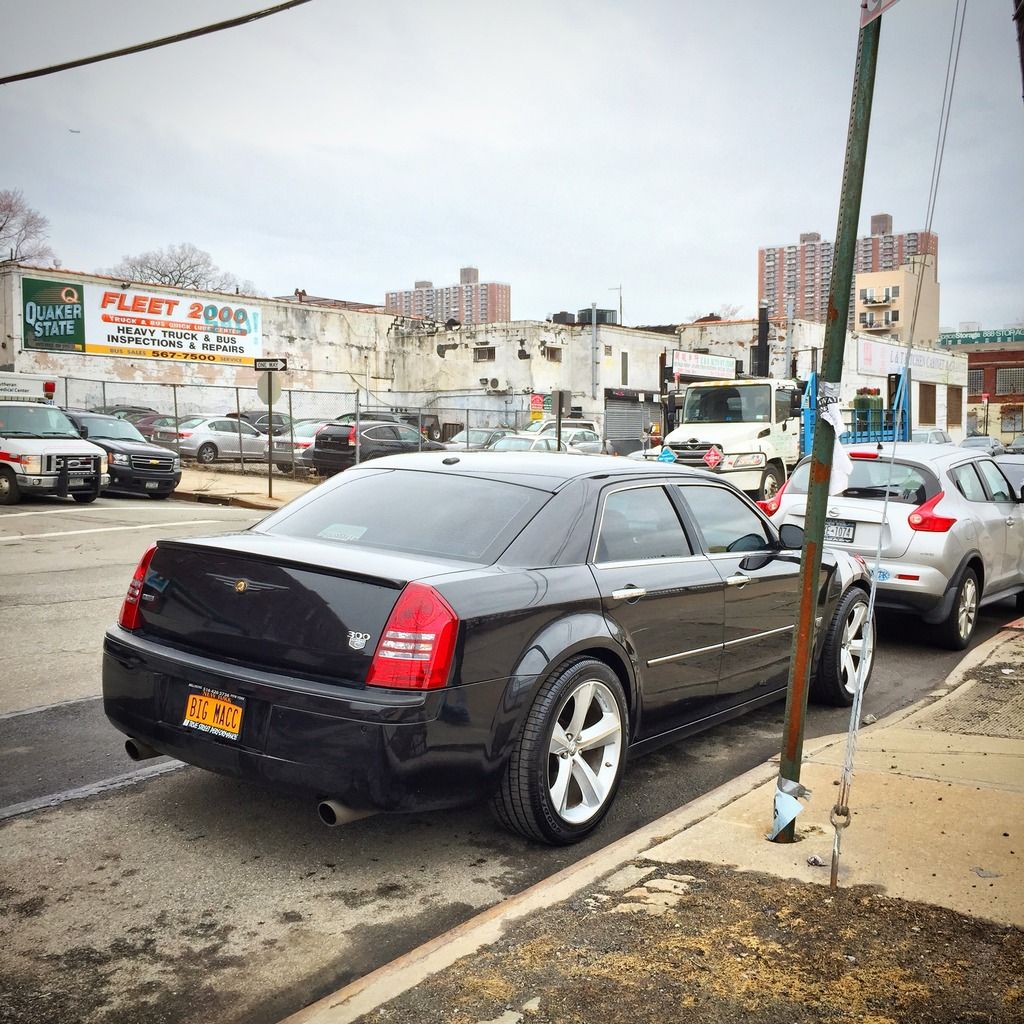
(802, 273)
(469, 301)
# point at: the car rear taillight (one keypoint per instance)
(131, 611)
(771, 505)
(416, 648)
(351, 437)
(923, 517)
(184, 433)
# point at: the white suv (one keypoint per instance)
(952, 538)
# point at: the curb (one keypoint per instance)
(207, 498)
(397, 977)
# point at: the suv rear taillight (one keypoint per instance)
(418, 643)
(923, 517)
(131, 611)
(771, 505)
(351, 437)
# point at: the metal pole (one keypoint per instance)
(595, 357)
(291, 428)
(357, 428)
(238, 420)
(103, 393)
(824, 437)
(270, 433)
(177, 440)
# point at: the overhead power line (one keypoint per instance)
(178, 37)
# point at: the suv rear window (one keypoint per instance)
(910, 485)
(434, 514)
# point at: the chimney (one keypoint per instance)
(761, 351)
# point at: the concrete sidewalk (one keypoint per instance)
(219, 486)
(699, 911)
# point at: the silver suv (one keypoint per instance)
(952, 538)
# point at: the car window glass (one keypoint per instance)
(998, 485)
(249, 431)
(726, 521)
(408, 434)
(871, 478)
(223, 426)
(968, 484)
(639, 524)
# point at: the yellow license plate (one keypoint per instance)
(219, 714)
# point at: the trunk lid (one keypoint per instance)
(865, 518)
(281, 604)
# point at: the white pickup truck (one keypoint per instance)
(41, 452)
(746, 430)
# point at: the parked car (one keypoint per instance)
(527, 443)
(210, 439)
(930, 435)
(262, 420)
(1012, 465)
(335, 446)
(136, 466)
(989, 445)
(151, 422)
(587, 442)
(1016, 446)
(426, 423)
(952, 539)
(429, 630)
(475, 438)
(124, 412)
(548, 425)
(293, 450)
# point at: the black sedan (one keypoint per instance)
(335, 446)
(137, 466)
(431, 630)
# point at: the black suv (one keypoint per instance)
(137, 466)
(335, 446)
(427, 423)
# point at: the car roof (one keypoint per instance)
(913, 451)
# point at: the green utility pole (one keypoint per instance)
(824, 437)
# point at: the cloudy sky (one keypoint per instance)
(563, 146)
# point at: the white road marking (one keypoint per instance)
(71, 510)
(112, 529)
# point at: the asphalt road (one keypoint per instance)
(183, 896)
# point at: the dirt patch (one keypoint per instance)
(703, 943)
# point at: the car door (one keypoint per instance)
(253, 441)
(1005, 507)
(665, 597)
(224, 434)
(761, 587)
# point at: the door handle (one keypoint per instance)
(1010, 521)
(738, 581)
(629, 593)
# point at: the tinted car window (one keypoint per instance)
(640, 524)
(998, 485)
(726, 521)
(408, 434)
(968, 484)
(869, 478)
(381, 434)
(424, 513)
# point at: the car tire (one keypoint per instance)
(207, 454)
(85, 499)
(957, 629)
(160, 497)
(848, 639)
(10, 492)
(554, 791)
(771, 481)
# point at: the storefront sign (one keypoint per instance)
(982, 337)
(878, 359)
(702, 364)
(137, 323)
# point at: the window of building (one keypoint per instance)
(624, 360)
(975, 382)
(484, 354)
(926, 404)
(863, 318)
(1010, 380)
(1012, 419)
(895, 291)
(554, 355)
(607, 350)
(895, 316)
(954, 406)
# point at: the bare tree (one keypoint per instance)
(23, 231)
(180, 266)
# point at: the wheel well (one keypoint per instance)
(616, 664)
(779, 465)
(975, 563)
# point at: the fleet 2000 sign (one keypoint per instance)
(137, 323)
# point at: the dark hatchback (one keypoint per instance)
(137, 466)
(437, 629)
(335, 446)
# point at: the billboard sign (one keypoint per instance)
(878, 359)
(1009, 334)
(138, 323)
(702, 364)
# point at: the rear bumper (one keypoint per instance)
(375, 750)
(923, 589)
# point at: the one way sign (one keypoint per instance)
(270, 364)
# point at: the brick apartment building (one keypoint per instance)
(469, 301)
(802, 273)
(995, 379)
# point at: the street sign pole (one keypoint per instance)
(270, 434)
(824, 436)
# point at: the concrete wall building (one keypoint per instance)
(885, 302)
(469, 302)
(801, 273)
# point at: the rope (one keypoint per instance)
(840, 814)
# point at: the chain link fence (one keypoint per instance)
(297, 414)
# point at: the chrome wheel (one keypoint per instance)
(857, 646)
(584, 752)
(967, 608)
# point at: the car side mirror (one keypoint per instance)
(795, 401)
(83, 431)
(791, 536)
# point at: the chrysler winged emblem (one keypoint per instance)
(356, 640)
(241, 586)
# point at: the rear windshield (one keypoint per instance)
(436, 514)
(910, 485)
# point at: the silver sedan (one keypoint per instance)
(209, 439)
